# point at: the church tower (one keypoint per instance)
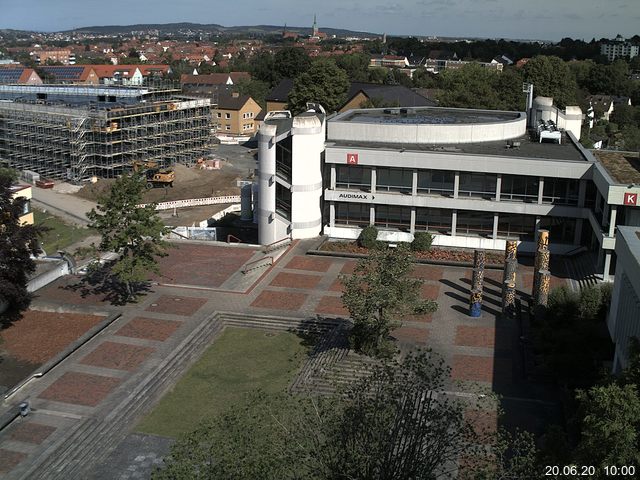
(314, 29)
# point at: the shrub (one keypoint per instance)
(422, 242)
(368, 237)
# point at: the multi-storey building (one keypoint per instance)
(75, 132)
(473, 178)
(619, 48)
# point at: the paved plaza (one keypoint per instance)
(154, 340)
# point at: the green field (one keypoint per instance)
(61, 234)
(239, 361)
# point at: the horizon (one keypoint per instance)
(494, 19)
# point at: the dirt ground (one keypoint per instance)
(189, 183)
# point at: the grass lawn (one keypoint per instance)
(61, 234)
(239, 361)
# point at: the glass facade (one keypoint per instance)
(560, 191)
(474, 223)
(435, 182)
(353, 178)
(519, 188)
(561, 229)
(352, 213)
(436, 220)
(283, 159)
(393, 216)
(283, 201)
(394, 180)
(515, 225)
(478, 185)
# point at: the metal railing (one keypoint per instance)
(260, 263)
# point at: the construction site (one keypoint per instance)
(79, 132)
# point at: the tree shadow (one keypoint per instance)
(102, 282)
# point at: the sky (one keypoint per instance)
(522, 19)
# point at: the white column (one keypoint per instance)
(456, 184)
(612, 221)
(372, 215)
(607, 266)
(332, 214)
(267, 184)
(498, 186)
(332, 184)
(412, 228)
(454, 222)
(495, 226)
(540, 190)
(414, 183)
(373, 179)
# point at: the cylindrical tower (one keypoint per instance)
(267, 184)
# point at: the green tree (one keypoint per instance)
(18, 246)
(356, 65)
(610, 426)
(378, 295)
(134, 233)
(378, 74)
(324, 82)
(551, 77)
(291, 62)
(263, 69)
(624, 115)
(471, 86)
(256, 89)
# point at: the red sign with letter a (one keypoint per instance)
(630, 198)
(352, 158)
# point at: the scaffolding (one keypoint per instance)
(76, 142)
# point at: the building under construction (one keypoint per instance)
(76, 132)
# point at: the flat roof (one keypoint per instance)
(624, 167)
(426, 116)
(528, 148)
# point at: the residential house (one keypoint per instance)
(602, 105)
(72, 74)
(63, 56)
(388, 61)
(18, 74)
(279, 96)
(236, 115)
(211, 85)
(24, 191)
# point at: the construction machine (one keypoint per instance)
(155, 176)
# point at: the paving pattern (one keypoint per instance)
(85, 407)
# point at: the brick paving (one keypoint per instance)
(279, 300)
(414, 335)
(336, 286)
(430, 291)
(177, 305)
(202, 265)
(332, 306)
(70, 291)
(428, 272)
(149, 328)
(312, 264)
(9, 459)
(485, 422)
(296, 280)
(349, 266)
(481, 369)
(31, 432)
(118, 356)
(80, 388)
(471, 336)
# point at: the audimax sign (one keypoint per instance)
(355, 196)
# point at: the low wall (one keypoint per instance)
(195, 202)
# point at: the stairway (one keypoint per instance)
(582, 270)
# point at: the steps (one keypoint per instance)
(582, 271)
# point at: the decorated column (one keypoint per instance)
(542, 257)
(509, 278)
(477, 283)
(509, 299)
(544, 283)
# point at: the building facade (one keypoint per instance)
(472, 178)
(619, 48)
(236, 115)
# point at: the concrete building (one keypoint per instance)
(619, 48)
(473, 178)
(290, 152)
(75, 132)
(624, 313)
(24, 191)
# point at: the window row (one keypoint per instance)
(516, 188)
(468, 223)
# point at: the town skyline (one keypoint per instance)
(458, 18)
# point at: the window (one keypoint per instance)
(519, 188)
(283, 201)
(435, 182)
(560, 191)
(227, 127)
(394, 180)
(393, 216)
(474, 223)
(227, 116)
(479, 185)
(513, 225)
(436, 220)
(561, 229)
(352, 213)
(219, 115)
(283, 159)
(353, 178)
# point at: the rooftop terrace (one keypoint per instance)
(624, 167)
(427, 116)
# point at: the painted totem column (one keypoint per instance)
(541, 262)
(477, 283)
(509, 278)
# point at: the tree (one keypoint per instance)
(610, 425)
(256, 89)
(263, 69)
(291, 62)
(378, 294)
(551, 77)
(324, 82)
(134, 233)
(356, 65)
(395, 424)
(471, 86)
(18, 246)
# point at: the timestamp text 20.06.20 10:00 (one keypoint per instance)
(623, 471)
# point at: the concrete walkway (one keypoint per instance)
(69, 207)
